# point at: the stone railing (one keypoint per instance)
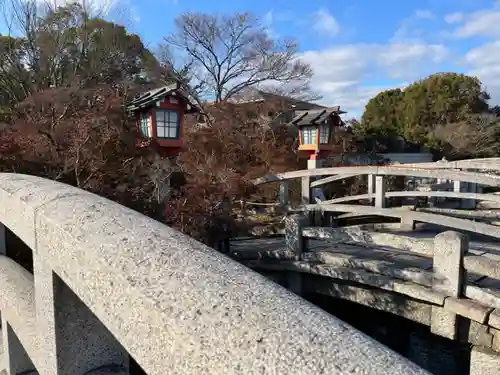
(458, 296)
(445, 285)
(109, 283)
(461, 180)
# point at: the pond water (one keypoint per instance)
(414, 341)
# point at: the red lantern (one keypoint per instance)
(316, 129)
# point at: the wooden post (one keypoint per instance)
(380, 200)
(449, 279)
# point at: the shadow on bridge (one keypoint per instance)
(450, 283)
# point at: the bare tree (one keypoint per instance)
(227, 54)
(62, 43)
(476, 136)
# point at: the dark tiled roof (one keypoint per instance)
(253, 95)
(152, 96)
(315, 116)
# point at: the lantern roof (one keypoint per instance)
(151, 97)
(315, 116)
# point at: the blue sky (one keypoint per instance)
(358, 48)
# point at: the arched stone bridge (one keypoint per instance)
(109, 284)
(447, 280)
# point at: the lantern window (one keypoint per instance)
(167, 123)
(308, 134)
(145, 125)
(324, 133)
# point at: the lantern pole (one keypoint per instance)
(314, 161)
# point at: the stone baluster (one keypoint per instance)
(380, 188)
(371, 188)
(284, 195)
(295, 242)
(484, 361)
(68, 328)
(15, 358)
(306, 190)
(449, 279)
(459, 187)
(293, 233)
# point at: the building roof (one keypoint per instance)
(150, 97)
(315, 116)
(253, 95)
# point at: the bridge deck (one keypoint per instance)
(403, 264)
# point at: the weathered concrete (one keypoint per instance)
(68, 328)
(484, 361)
(293, 233)
(380, 190)
(172, 302)
(357, 235)
(480, 178)
(441, 220)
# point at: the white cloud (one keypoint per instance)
(349, 75)
(325, 23)
(453, 17)
(341, 72)
(267, 22)
(414, 28)
(484, 62)
(424, 14)
(481, 23)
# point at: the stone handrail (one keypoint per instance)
(109, 282)
(445, 285)
(394, 170)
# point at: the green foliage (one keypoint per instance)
(65, 47)
(415, 112)
(439, 99)
(382, 114)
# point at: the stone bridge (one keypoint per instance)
(439, 266)
(111, 287)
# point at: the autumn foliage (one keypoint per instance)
(237, 144)
(81, 137)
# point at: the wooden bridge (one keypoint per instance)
(439, 266)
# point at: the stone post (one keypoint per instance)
(371, 188)
(306, 190)
(314, 217)
(73, 340)
(407, 222)
(380, 200)
(449, 279)
(470, 204)
(284, 193)
(15, 358)
(484, 361)
(296, 244)
(459, 187)
(293, 233)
